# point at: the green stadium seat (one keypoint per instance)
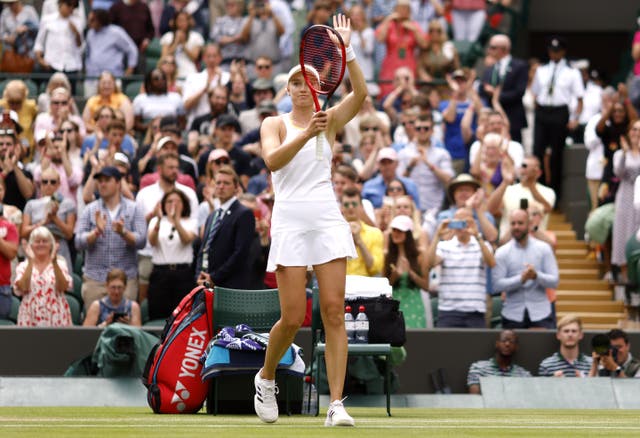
(75, 308)
(76, 289)
(31, 86)
(78, 265)
(132, 89)
(6, 322)
(496, 313)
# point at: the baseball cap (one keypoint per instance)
(297, 69)
(121, 158)
(41, 134)
(109, 171)
(164, 140)
(216, 154)
(402, 223)
(387, 154)
(459, 73)
(267, 107)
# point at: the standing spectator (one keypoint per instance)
(183, 43)
(171, 232)
(58, 45)
(15, 97)
(375, 188)
(367, 239)
(108, 49)
(225, 31)
(18, 29)
(406, 268)
(8, 250)
(428, 166)
(42, 280)
(439, 57)
(226, 237)
(50, 8)
(219, 104)
(51, 210)
(134, 17)
(108, 94)
(249, 119)
(402, 36)
(197, 85)
(592, 99)
(465, 258)
(626, 167)
(568, 361)
(525, 268)
(156, 101)
(500, 365)
(363, 41)
(554, 86)
(261, 33)
(18, 182)
(491, 162)
(105, 122)
(508, 78)
(635, 82)
(468, 17)
(110, 231)
(114, 307)
(496, 123)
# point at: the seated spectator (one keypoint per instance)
(428, 166)
(500, 365)
(496, 123)
(18, 181)
(439, 57)
(525, 268)
(42, 280)
(99, 140)
(183, 43)
(170, 234)
(57, 80)
(365, 157)
(404, 206)
(18, 29)
(109, 95)
(107, 48)
(167, 145)
(73, 146)
(406, 268)
(387, 212)
(60, 109)
(109, 240)
(491, 161)
(344, 177)
(69, 176)
(405, 131)
(367, 239)
(465, 258)
(262, 89)
(568, 361)
(8, 250)
(374, 189)
(507, 197)
(156, 101)
(353, 131)
(114, 307)
(219, 104)
(618, 361)
(15, 97)
(464, 191)
(225, 31)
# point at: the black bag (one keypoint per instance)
(386, 321)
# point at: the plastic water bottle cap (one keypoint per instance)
(347, 309)
(307, 379)
(361, 309)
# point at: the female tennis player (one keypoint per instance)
(307, 229)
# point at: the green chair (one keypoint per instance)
(132, 89)
(259, 309)
(75, 308)
(496, 311)
(6, 322)
(154, 49)
(76, 290)
(144, 315)
(318, 348)
(31, 86)
(78, 265)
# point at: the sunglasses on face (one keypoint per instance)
(14, 102)
(59, 102)
(168, 61)
(423, 128)
(49, 181)
(221, 161)
(408, 123)
(347, 204)
(263, 67)
(523, 165)
(7, 132)
(67, 130)
(396, 189)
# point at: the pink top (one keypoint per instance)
(636, 67)
(469, 5)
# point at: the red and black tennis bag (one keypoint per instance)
(172, 373)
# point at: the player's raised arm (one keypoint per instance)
(350, 105)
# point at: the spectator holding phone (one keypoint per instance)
(464, 257)
(114, 307)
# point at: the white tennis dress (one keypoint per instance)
(307, 227)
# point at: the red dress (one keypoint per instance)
(42, 306)
(401, 46)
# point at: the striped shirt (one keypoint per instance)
(557, 362)
(464, 276)
(483, 368)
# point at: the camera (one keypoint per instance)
(602, 345)
(457, 225)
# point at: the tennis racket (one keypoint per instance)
(323, 62)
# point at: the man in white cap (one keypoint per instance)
(375, 188)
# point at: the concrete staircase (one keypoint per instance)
(581, 290)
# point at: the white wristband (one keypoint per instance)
(350, 54)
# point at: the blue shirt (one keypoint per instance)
(374, 190)
(107, 49)
(110, 250)
(531, 295)
(453, 133)
(126, 146)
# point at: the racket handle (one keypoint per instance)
(319, 146)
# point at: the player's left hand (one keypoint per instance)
(342, 25)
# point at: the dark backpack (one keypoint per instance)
(172, 374)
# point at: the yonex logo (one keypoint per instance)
(180, 394)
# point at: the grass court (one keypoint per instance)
(371, 422)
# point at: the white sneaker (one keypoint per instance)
(264, 402)
(337, 415)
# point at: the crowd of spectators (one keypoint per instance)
(447, 193)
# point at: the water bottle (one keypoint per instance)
(309, 407)
(349, 325)
(362, 327)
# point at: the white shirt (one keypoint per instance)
(567, 84)
(591, 103)
(150, 106)
(593, 143)
(193, 84)
(515, 151)
(170, 248)
(184, 63)
(58, 43)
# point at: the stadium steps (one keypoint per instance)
(581, 291)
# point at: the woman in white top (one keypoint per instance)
(307, 229)
(183, 43)
(170, 236)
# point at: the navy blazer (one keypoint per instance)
(230, 248)
(514, 86)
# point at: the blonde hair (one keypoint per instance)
(43, 233)
(569, 319)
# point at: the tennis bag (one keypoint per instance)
(172, 373)
(386, 321)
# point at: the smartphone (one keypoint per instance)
(346, 149)
(118, 315)
(458, 225)
(524, 203)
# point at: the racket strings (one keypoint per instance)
(323, 61)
